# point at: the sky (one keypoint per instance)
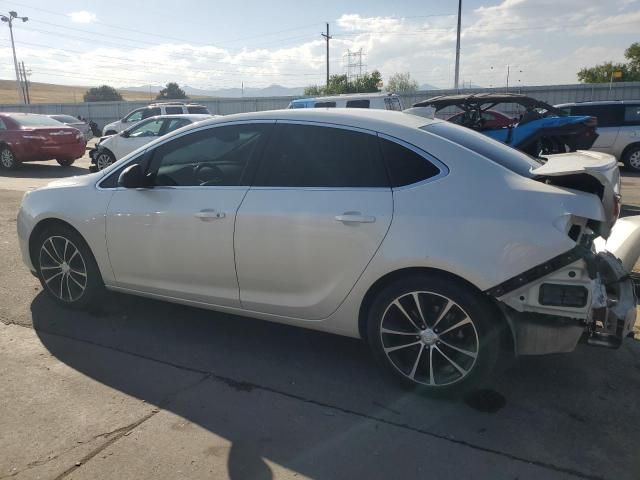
(212, 45)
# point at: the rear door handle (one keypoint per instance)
(355, 217)
(209, 214)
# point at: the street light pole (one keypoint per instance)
(9, 19)
(457, 75)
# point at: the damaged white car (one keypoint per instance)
(435, 244)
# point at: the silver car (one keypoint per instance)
(433, 243)
(74, 122)
(618, 128)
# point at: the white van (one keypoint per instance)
(380, 101)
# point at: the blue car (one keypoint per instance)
(540, 129)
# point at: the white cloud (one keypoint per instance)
(543, 41)
(82, 16)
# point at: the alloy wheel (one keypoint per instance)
(6, 157)
(429, 338)
(63, 268)
(103, 161)
(634, 159)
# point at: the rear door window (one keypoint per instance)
(632, 115)
(173, 110)
(405, 166)
(198, 109)
(357, 103)
(607, 115)
(318, 156)
(150, 112)
(325, 105)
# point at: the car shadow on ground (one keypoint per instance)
(557, 407)
(49, 169)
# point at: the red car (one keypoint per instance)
(492, 119)
(27, 137)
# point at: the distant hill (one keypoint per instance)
(193, 92)
(50, 93)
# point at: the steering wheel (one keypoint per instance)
(207, 174)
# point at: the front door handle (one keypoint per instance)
(209, 214)
(355, 217)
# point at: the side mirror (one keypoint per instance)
(125, 134)
(132, 177)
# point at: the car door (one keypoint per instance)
(630, 130)
(176, 238)
(137, 136)
(609, 122)
(318, 211)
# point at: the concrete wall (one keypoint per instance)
(105, 112)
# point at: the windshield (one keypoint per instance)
(508, 157)
(66, 119)
(35, 121)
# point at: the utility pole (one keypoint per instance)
(9, 19)
(327, 37)
(457, 76)
(25, 79)
(508, 69)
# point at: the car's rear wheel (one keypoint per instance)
(65, 162)
(66, 268)
(434, 334)
(631, 158)
(7, 159)
(104, 159)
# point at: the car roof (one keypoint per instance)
(190, 116)
(344, 96)
(370, 119)
(599, 102)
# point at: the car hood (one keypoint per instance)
(588, 171)
(77, 181)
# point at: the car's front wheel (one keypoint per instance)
(104, 159)
(66, 267)
(7, 159)
(631, 158)
(433, 333)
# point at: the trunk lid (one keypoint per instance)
(54, 136)
(587, 171)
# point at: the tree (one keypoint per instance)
(602, 73)
(104, 93)
(369, 82)
(171, 92)
(402, 82)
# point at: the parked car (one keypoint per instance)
(356, 223)
(114, 147)
(540, 130)
(381, 101)
(74, 122)
(28, 137)
(153, 110)
(618, 127)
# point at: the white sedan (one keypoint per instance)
(435, 244)
(114, 147)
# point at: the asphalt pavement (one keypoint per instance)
(143, 389)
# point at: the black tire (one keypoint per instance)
(57, 245)
(104, 158)
(7, 159)
(65, 162)
(434, 347)
(631, 158)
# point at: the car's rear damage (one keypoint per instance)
(584, 293)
